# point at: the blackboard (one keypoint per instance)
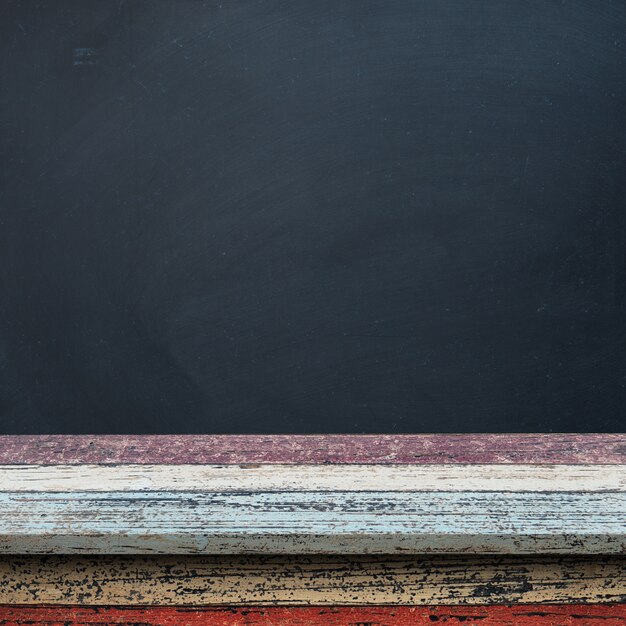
(268, 216)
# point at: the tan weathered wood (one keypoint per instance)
(315, 580)
(227, 478)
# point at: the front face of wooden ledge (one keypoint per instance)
(337, 507)
(367, 521)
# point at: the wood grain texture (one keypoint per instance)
(522, 615)
(311, 522)
(227, 478)
(314, 449)
(314, 580)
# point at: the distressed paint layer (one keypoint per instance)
(315, 580)
(523, 615)
(313, 449)
(226, 478)
(312, 522)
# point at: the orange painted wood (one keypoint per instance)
(519, 615)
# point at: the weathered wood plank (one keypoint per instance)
(226, 478)
(315, 580)
(313, 449)
(527, 615)
(312, 522)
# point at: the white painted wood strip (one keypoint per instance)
(312, 522)
(225, 478)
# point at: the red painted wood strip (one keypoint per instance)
(293, 449)
(522, 615)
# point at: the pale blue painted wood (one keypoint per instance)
(307, 522)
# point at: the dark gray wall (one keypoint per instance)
(309, 216)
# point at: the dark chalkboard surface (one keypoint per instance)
(312, 216)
